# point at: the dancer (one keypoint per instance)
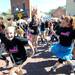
(15, 46)
(63, 49)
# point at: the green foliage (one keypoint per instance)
(4, 13)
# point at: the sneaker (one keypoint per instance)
(72, 73)
(53, 69)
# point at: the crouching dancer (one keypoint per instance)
(15, 47)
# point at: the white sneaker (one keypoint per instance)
(53, 69)
(72, 74)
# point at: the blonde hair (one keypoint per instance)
(68, 19)
(12, 28)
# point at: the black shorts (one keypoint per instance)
(19, 60)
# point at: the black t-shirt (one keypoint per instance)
(34, 27)
(16, 48)
(46, 24)
(66, 36)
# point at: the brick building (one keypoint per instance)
(17, 5)
(59, 12)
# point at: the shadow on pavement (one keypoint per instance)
(42, 67)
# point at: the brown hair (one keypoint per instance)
(69, 19)
(73, 24)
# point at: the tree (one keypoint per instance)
(4, 13)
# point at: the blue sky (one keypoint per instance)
(44, 5)
(4, 5)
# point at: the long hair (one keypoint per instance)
(69, 20)
(73, 22)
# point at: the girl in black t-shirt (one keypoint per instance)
(33, 27)
(15, 46)
(63, 49)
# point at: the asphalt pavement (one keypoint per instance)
(42, 61)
